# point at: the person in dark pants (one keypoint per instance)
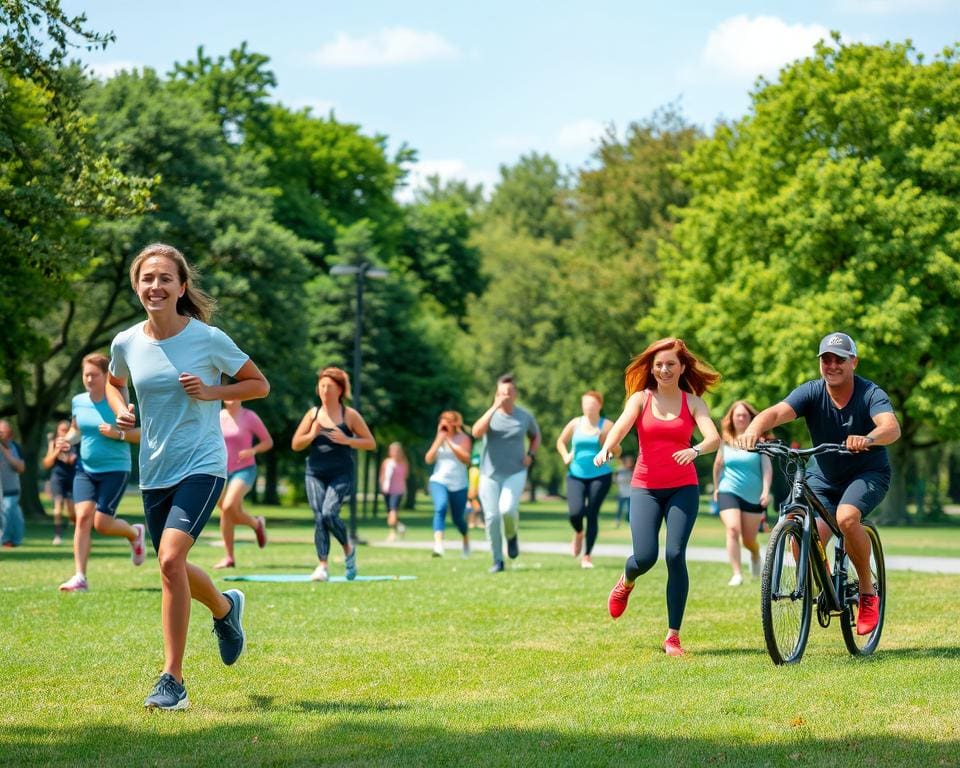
(333, 433)
(663, 384)
(587, 485)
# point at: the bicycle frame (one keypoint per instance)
(803, 505)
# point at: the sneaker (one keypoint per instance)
(868, 616)
(736, 580)
(261, 531)
(619, 595)
(513, 547)
(75, 583)
(401, 529)
(437, 550)
(57, 539)
(319, 573)
(755, 566)
(350, 561)
(671, 646)
(167, 694)
(227, 562)
(229, 629)
(139, 551)
(497, 567)
(577, 545)
(586, 562)
(466, 549)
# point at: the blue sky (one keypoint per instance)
(473, 86)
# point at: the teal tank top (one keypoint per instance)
(584, 447)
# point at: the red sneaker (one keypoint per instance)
(261, 531)
(869, 614)
(671, 646)
(619, 595)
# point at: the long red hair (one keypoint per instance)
(697, 377)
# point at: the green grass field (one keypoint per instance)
(462, 668)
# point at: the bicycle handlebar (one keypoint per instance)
(780, 449)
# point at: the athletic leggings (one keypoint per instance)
(326, 496)
(584, 499)
(648, 509)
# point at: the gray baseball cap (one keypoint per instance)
(838, 344)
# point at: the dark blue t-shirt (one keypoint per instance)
(829, 424)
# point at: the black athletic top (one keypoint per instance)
(328, 459)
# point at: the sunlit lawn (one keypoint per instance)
(462, 668)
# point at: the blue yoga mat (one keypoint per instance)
(297, 577)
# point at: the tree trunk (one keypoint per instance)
(270, 494)
(893, 510)
(32, 445)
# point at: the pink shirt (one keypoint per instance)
(394, 477)
(239, 434)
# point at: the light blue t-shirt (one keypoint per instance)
(98, 453)
(742, 474)
(179, 436)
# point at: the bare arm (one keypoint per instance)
(482, 424)
(711, 438)
(250, 384)
(717, 472)
(766, 472)
(307, 431)
(51, 456)
(431, 455)
(124, 435)
(615, 450)
(886, 430)
(18, 465)
(461, 444)
(363, 439)
(564, 439)
(619, 430)
(763, 422)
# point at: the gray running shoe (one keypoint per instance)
(167, 694)
(513, 547)
(497, 567)
(229, 629)
(351, 564)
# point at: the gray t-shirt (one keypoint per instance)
(9, 477)
(505, 447)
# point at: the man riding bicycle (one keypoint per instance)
(841, 407)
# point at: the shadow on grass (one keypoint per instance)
(369, 735)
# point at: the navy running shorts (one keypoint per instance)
(865, 491)
(105, 488)
(185, 506)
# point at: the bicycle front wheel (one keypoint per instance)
(784, 597)
(864, 645)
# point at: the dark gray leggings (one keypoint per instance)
(648, 509)
(326, 496)
(584, 499)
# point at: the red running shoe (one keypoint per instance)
(671, 646)
(261, 531)
(869, 614)
(619, 595)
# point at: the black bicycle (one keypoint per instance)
(797, 571)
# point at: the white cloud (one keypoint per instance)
(107, 69)
(890, 7)
(389, 47)
(447, 170)
(581, 135)
(746, 47)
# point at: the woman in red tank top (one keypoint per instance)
(664, 384)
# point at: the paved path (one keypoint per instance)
(702, 554)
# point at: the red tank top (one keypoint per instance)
(659, 440)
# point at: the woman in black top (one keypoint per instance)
(332, 432)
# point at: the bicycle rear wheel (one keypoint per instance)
(784, 608)
(864, 645)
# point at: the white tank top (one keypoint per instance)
(448, 470)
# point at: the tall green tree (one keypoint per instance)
(533, 197)
(832, 205)
(54, 180)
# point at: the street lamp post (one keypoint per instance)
(361, 271)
